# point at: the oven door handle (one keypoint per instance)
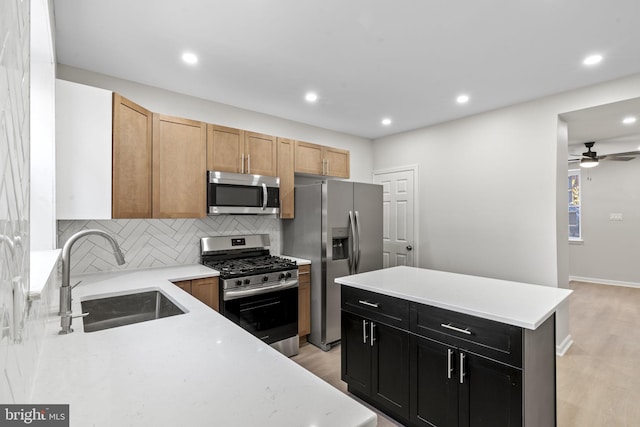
(235, 294)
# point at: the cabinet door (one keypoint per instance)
(309, 158)
(286, 150)
(225, 148)
(179, 168)
(491, 394)
(336, 162)
(434, 383)
(390, 363)
(206, 290)
(131, 159)
(356, 353)
(304, 300)
(185, 285)
(260, 152)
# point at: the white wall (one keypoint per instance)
(489, 189)
(171, 103)
(610, 249)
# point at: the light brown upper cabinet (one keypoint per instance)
(286, 153)
(235, 150)
(131, 189)
(179, 167)
(317, 159)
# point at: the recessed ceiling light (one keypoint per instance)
(462, 99)
(386, 121)
(592, 60)
(629, 120)
(189, 58)
(311, 97)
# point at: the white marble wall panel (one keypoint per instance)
(158, 242)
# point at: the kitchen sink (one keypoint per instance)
(114, 311)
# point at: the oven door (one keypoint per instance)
(271, 316)
(231, 193)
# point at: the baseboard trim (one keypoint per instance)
(562, 348)
(605, 282)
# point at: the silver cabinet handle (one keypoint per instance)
(449, 363)
(373, 325)
(364, 331)
(248, 163)
(328, 173)
(462, 374)
(453, 328)
(370, 304)
(323, 167)
(242, 163)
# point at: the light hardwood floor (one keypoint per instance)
(598, 379)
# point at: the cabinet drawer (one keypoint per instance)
(378, 307)
(494, 340)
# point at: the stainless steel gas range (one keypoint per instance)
(258, 291)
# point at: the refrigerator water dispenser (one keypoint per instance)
(340, 243)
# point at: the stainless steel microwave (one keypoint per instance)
(235, 193)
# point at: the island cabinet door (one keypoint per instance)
(434, 383)
(390, 364)
(356, 353)
(490, 392)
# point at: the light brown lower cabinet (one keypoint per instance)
(206, 290)
(304, 300)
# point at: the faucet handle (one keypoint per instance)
(79, 281)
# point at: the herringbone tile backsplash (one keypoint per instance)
(158, 242)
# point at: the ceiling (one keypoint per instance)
(407, 60)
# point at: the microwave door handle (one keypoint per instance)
(265, 195)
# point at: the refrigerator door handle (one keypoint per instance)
(352, 247)
(357, 245)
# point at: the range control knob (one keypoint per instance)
(288, 274)
(281, 276)
(247, 281)
(238, 282)
(265, 278)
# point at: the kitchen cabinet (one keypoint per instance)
(83, 151)
(462, 370)
(286, 159)
(304, 300)
(132, 127)
(239, 151)
(179, 167)
(205, 290)
(375, 352)
(317, 159)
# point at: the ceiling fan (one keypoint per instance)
(590, 158)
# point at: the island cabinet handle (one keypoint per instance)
(453, 328)
(370, 304)
(449, 363)
(373, 325)
(364, 332)
(462, 373)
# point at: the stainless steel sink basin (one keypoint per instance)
(120, 310)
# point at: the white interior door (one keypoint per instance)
(398, 192)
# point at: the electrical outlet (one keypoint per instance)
(615, 217)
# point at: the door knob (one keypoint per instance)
(409, 247)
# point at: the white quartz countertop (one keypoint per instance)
(514, 303)
(299, 261)
(194, 369)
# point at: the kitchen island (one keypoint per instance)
(437, 348)
(196, 369)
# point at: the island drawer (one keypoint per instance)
(381, 308)
(489, 338)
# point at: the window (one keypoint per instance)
(575, 229)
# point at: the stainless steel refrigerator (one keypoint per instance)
(338, 226)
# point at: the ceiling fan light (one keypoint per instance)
(588, 162)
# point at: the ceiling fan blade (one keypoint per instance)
(619, 158)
